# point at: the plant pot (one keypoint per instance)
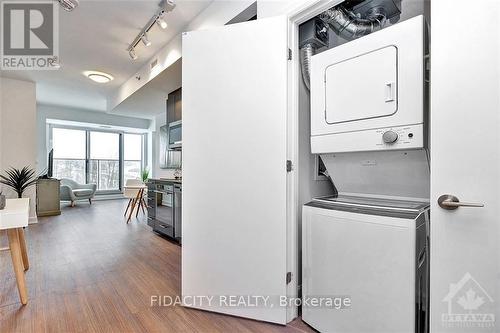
(2, 202)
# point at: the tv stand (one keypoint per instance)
(47, 197)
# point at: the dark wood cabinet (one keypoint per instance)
(174, 106)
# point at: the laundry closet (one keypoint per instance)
(308, 146)
(363, 114)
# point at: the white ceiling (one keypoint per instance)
(149, 101)
(95, 37)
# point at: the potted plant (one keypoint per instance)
(19, 180)
(145, 175)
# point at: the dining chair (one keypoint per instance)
(131, 192)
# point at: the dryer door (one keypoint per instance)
(351, 97)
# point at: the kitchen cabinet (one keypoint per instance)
(174, 106)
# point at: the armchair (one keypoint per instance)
(72, 191)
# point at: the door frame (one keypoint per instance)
(296, 17)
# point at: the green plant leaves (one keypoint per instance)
(19, 180)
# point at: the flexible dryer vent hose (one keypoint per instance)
(306, 52)
(347, 25)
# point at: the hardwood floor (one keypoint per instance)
(92, 272)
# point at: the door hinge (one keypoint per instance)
(289, 166)
(289, 54)
(288, 277)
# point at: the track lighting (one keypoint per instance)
(145, 40)
(132, 54)
(165, 6)
(161, 23)
(68, 5)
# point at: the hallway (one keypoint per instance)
(91, 272)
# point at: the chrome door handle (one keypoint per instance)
(451, 202)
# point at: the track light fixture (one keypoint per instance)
(161, 23)
(165, 6)
(132, 54)
(145, 40)
(68, 5)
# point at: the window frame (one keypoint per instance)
(121, 161)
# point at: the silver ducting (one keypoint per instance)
(346, 24)
(306, 52)
(349, 26)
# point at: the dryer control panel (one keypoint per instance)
(403, 137)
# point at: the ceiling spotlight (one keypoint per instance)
(168, 5)
(98, 77)
(161, 23)
(145, 40)
(68, 5)
(132, 54)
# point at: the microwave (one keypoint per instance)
(175, 135)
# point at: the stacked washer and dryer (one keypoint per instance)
(369, 243)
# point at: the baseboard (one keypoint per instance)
(33, 220)
(108, 197)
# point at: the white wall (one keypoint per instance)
(18, 130)
(267, 8)
(45, 112)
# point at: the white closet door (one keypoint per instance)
(234, 165)
(465, 163)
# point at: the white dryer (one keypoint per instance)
(372, 251)
(369, 94)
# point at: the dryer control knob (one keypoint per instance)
(390, 137)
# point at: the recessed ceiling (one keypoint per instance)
(95, 36)
(150, 100)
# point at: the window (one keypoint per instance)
(132, 156)
(69, 154)
(104, 163)
(91, 156)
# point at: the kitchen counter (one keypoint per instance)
(166, 180)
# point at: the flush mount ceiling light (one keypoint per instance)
(98, 77)
(68, 5)
(145, 40)
(165, 7)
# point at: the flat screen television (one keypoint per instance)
(50, 164)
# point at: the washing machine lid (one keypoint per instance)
(402, 173)
(372, 205)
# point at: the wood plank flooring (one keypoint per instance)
(92, 272)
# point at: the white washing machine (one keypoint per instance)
(372, 251)
(369, 94)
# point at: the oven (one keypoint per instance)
(164, 209)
